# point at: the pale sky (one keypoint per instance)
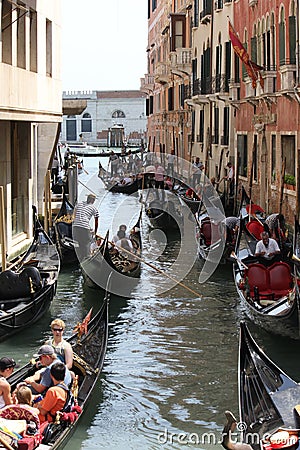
(103, 44)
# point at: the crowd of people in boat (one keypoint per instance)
(41, 396)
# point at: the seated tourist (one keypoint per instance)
(7, 366)
(61, 347)
(22, 409)
(56, 395)
(41, 380)
(120, 235)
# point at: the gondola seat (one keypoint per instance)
(255, 228)
(19, 285)
(258, 278)
(210, 233)
(280, 279)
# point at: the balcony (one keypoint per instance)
(269, 77)
(147, 83)
(220, 84)
(181, 60)
(161, 73)
(288, 76)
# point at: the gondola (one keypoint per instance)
(117, 187)
(107, 259)
(63, 223)
(28, 286)
(267, 401)
(165, 215)
(213, 244)
(270, 295)
(89, 345)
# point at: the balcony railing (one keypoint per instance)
(181, 60)
(161, 72)
(147, 82)
(220, 83)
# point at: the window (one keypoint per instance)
(292, 35)
(273, 161)
(49, 48)
(154, 4)
(196, 13)
(216, 123)
(177, 31)
(170, 99)
(282, 39)
(6, 34)
(118, 114)
(33, 41)
(288, 154)
(201, 126)
(86, 123)
(226, 126)
(71, 128)
(227, 65)
(242, 154)
(21, 39)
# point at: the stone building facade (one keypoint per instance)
(104, 110)
(201, 100)
(30, 109)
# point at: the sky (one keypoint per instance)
(103, 44)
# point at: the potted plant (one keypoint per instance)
(290, 181)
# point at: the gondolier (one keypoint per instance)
(84, 211)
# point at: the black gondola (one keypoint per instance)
(164, 215)
(118, 187)
(108, 260)
(270, 295)
(28, 287)
(89, 345)
(267, 400)
(63, 223)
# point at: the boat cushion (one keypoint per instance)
(19, 412)
(18, 285)
(31, 442)
(280, 279)
(258, 276)
(255, 228)
(210, 232)
(275, 280)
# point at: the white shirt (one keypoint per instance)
(271, 248)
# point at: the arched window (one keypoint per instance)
(282, 38)
(117, 114)
(218, 65)
(244, 71)
(254, 45)
(86, 123)
(273, 53)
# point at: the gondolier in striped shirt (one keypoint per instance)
(84, 211)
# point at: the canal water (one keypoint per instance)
(171, 366)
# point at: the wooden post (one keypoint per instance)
(282, 186)
(2, 229)
(46, 193)
(49, 198)
(298, 186)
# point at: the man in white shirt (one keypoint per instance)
(267, 248)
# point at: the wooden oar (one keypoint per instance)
(87, 187)
(154, 267)
(234, 256)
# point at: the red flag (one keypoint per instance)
(252, 68)
(81, 328)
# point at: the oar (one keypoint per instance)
(87, 187)
(234, 256)
(85, 171)
(154, 267)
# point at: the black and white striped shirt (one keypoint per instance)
(84, 212)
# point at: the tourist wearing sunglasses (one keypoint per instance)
(61, 347)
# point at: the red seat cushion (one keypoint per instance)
(255, 228)
(280, 278)
(19, 412)
(258, 276)
(210, 232)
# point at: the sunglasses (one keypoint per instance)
(60, 330)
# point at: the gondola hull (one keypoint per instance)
(267, 396)
(89, 353)
(164, 215)
(63, 223)
(27, 289)
(269, 294)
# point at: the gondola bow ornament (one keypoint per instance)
(82, 327)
